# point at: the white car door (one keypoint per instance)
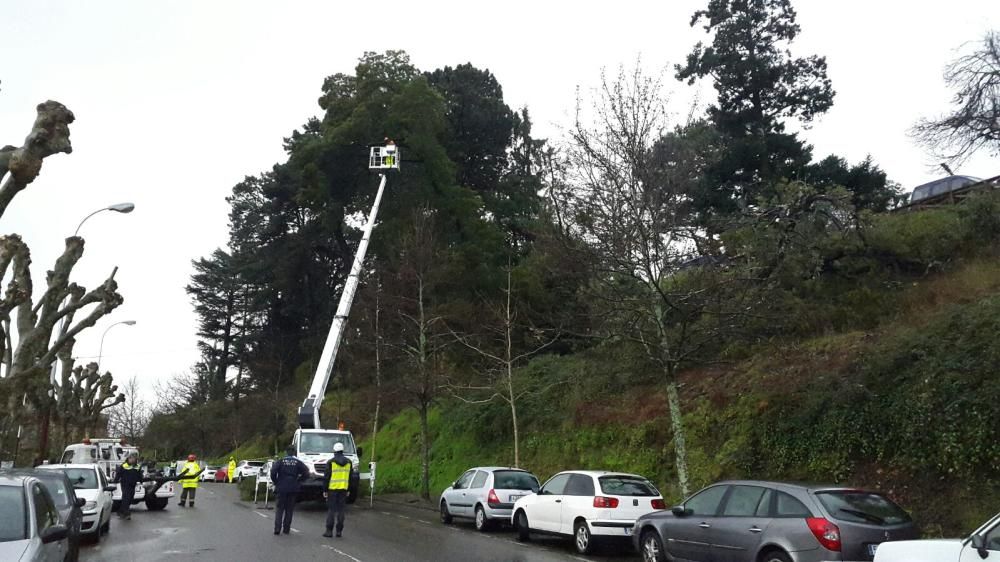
(545, 512)
(104, 498)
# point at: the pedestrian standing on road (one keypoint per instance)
(338, 474)
(287, 474)
(188, 478)
(128, 476)
(231, 473)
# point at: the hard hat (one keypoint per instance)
(338, 447)
(191, 457)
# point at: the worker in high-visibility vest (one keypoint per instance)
(390, 152)
(127, 476)
(231, 473)
(338, 476)
(188, 478)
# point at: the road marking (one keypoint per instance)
(294, 530)
(424, 522)
(403, 516)
(385, 513)
(340, 552)
(261, 514)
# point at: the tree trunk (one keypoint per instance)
(677, 423)
(425, 455)
(517, 442)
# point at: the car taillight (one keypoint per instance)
(659, 504)
(493, 499)
(605, 503)
(825, 532)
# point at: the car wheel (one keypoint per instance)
(581, 537)
(521, 526)
(652, 547)
(482, 523)
(445, 514)
(776, 556)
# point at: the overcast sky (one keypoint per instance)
(177, 101)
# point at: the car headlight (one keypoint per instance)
(90, 506)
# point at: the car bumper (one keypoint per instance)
(90, 523)
(612, 527)
(501, 511)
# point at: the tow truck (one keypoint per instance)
(109, 454)
(313, 444)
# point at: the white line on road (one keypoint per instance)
(385, 513)
(340, 552)
(261, 514)
(403, 516)
(294, 530)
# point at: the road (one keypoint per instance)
(222, 528)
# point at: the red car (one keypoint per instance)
(220, 475)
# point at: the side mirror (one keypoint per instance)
(680, 511)
(361, 452)
(979, 543)
(54, 533)
(80, 502)
(110, 488)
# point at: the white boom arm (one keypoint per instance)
(309, 412)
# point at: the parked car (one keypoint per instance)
(220, 475)
(248, 469)
(586, 504)
(58, 486)
(758, 521)
(208, 475)
(31, 529)
(982, 544)
(90, 484)
(486, 494)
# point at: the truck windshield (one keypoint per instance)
(322, 443)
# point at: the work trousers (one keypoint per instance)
(284, 509)
(186, 492)
(125, 506)
(336, 509)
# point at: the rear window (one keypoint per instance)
(13, 522)
(627, 486)
(255, 463)
(82, 478)
(862, 507)
(514, 480)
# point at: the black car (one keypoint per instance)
(70, 507)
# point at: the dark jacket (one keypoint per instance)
(338, 458)
(287, 474)
(128, 475)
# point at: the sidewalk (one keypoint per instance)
(409, 500)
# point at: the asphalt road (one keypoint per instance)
(221, 528)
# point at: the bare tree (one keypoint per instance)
(27, 346)
(131, 416)
(974, 122)
(631, 213)
(503, 354)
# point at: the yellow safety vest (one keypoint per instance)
(339, 476)
(190, 480)
(230, 474)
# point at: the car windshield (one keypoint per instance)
(862, 507)
(55, 483)
(627, 486)
(322, 443)
(514, 480)
(82, 478)
(13, 520)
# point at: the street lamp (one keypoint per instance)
(101, 350)
(118, 208)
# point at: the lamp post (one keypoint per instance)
(43, 433)
(117, 207)
(100, 351)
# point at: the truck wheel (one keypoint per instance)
(156, 504)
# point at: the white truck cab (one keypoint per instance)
(983, 544)
(108, 455)
(315, 447)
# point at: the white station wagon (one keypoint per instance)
(586, 504)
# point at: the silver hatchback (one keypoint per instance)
(757, 521)
(486, 494)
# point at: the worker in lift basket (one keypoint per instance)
(338, 475)
(188, 478)
(286, 475)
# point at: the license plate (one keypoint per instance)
(514, 498)
(872, 548)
